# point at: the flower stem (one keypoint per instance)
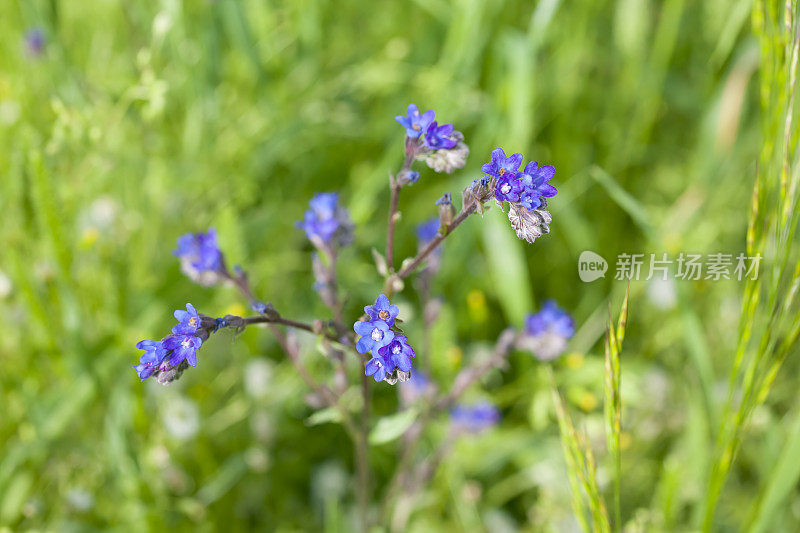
(406, 474)
(322, 391)
(394, 187)
(362, 457)
(470, 375)
(395, 198)
(436, 241)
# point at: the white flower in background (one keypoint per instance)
(182, 418)
(257, 459)
(10, 112)
(5, 285)
(262, 426)
(162, 23)
(662, 293)
(329, 480)
(257, 377)
(80, 499)
(103, 212)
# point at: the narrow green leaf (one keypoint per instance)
(507, 266)
(324, 416)
(780, 484)
(391, 427)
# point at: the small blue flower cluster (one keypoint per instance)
(526, 191)
(551, 318)
(422, 125)
(474, 418)
(171, 355)
(326, 224)
(391, 354)
(427, 231)
(200, 257)
(547, 332)
(35, 41)
(440, 146)
(527, 188)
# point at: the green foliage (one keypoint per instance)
(144, 120)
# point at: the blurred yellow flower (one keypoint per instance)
(235, 309)
(574, 360)
(476, 305)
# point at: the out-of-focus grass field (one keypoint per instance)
(141, 121)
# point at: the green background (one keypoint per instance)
(141, 121)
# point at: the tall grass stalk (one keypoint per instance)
(770, 320)
(613, 401)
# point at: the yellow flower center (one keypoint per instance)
(383, 314)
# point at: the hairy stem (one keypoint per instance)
(405, 475)
(436, 241)
(322, 391)
(470, 375)
(395, 198)
(362, 456)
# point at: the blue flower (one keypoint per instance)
(509, 187)
(326, 222)
(407, 176)
(35, 41)
(414, 123)
(550, 319)
(324, 204)
(188, 320)
(154, 352)
(535, 180)
(547, 332)
(374, 336)
(501, 164)
(474, 418)
(399, 352)
(446, 199)
(183, 347)
(440, 137)
(378, 367)
(200, 256)
(382, 310)
(427, 231)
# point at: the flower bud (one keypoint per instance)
(233, 321)
(446, 210)
(447, 160)
(407, 176)
(529, 225)
(166, 374)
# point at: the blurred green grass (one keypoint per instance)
(142, 121)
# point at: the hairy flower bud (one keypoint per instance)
(446, 210)
(529, 225)
(407, 176)
(447, 160)
(166, 373)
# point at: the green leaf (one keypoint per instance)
(391, 427)
(780, 484)
(324, 416)
(507, 266)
